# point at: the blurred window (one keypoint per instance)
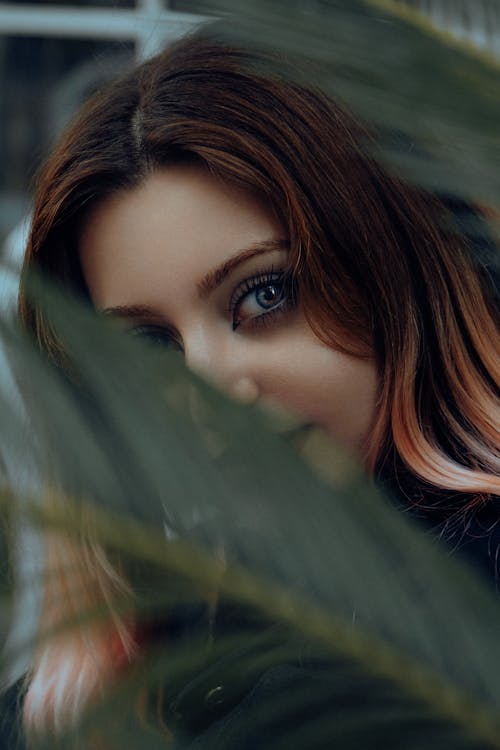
(477, 22)
(42, 82)
(73, 3)
(53, 55)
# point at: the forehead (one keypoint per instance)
(173, 227)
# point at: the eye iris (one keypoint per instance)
(269, 295)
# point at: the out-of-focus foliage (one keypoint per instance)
(436, 98)
(326, 574)
(5, 566)
(200, 500)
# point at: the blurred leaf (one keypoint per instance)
(6, 583)
(388, 691)
(360, 630)
(436, 98)
(350, 577)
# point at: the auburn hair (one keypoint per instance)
(381, 270)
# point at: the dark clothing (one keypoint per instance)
(10, 734)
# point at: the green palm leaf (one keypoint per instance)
(388, 63)
(350, 581)
(399, 643)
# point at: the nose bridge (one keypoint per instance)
(204, 352)
(217, 356)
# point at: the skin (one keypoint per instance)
(149, 256)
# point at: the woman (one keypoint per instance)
(235, 215)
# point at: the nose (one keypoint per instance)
(245, 390)
(223, 363)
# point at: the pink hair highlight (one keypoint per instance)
(73, 665)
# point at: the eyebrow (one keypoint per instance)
(131, 311)
(214, 279)
(210, 282)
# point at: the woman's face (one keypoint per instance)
(190, 261)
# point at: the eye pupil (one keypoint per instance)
(269, 295)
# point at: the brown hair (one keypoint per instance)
(375, 260)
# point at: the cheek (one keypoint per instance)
(331, 389)
(349, 400)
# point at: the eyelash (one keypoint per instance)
(163, 336)
(261, 280)
(157, 335)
